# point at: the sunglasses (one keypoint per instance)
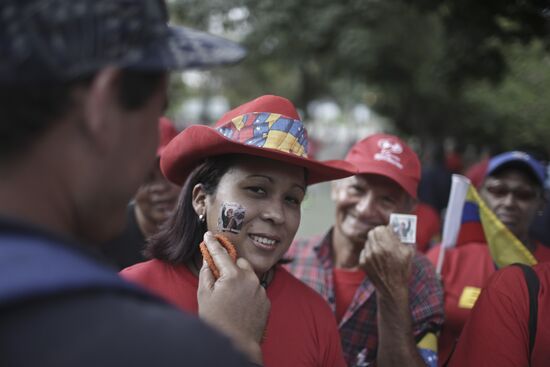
(501, 191)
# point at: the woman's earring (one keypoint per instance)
(202, 219)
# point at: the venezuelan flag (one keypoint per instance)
(480, 224)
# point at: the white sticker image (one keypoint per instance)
(404, 225)
(231, 217)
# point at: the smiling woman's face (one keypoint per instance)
(271, 193)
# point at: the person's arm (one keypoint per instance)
(235, 303)
(496, 333)
(387, 263)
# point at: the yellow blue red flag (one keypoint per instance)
(504, 246)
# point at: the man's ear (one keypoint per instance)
(199, 199)
(102, 110)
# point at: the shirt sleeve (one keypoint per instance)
(496, 333)
(425, 298)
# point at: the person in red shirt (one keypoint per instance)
(513, 190)
(497, 331)
(255, 162)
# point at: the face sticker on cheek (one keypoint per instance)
(231, 217)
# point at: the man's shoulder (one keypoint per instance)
(59, 302)
(108, 329)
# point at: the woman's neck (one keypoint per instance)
(345, 252)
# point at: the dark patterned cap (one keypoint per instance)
(47, 40)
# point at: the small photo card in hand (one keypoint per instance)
(404, 225)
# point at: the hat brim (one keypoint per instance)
(186, 48)
(382, 170)
(503, 163)
(198, 142)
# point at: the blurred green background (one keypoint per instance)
(467, 75)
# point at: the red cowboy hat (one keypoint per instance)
(268, 126)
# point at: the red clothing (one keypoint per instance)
(497, 332)
(301, 329)
(427, 227)
(346, 283)
(476, 172)
(542, 253)
(465, 271)
(465, 266)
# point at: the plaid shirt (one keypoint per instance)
(311, 262)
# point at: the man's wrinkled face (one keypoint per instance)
(366, 201)
(514, 198)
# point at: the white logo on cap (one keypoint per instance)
(389, 152)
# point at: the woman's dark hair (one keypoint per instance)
(178, 238)
(28, 111)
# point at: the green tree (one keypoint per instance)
(420, 59)
(516, 110)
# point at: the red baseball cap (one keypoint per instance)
(167, 132)
(268, 126)
(389, 156)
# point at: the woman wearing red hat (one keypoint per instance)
(254, 164)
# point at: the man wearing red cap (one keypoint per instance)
(152, 205)
(386, 297)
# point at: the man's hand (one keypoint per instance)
(235, 304)
(388, 264)
(387, 261)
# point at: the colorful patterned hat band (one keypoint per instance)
(267, 130)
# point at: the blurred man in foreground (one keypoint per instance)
(82, 85)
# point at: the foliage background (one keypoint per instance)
(475, 71)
